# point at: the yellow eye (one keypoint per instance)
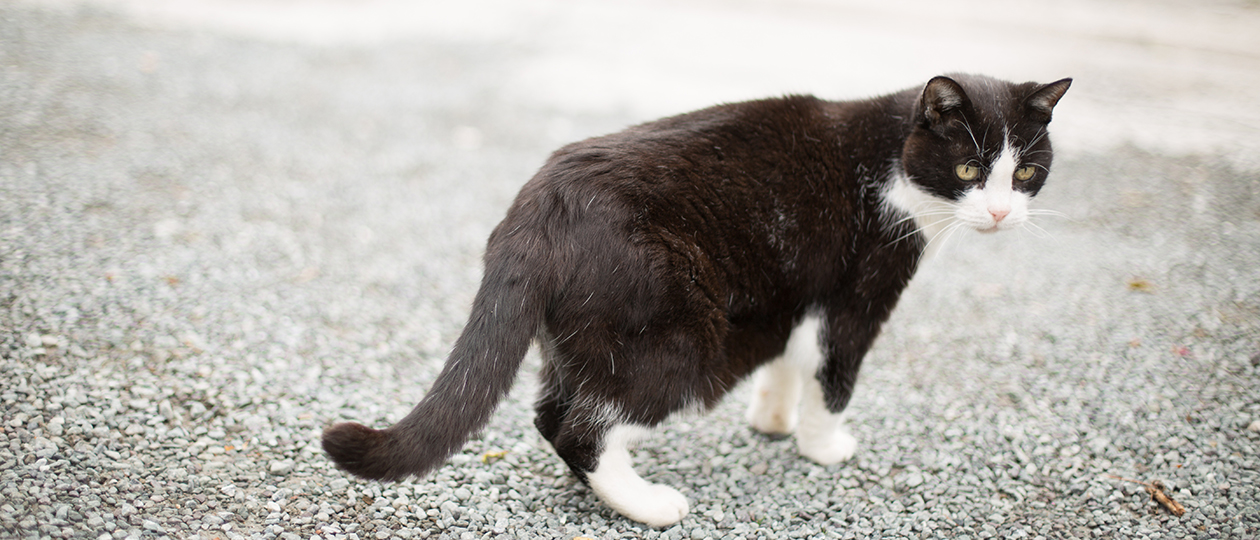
(1025, 173)
(967, 172)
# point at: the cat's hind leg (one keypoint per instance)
(776, 392)
(596, 447)
(616, 484)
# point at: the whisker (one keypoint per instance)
(973, 137)
(913, 232)
(1040, 232)
(940, 212)
(1027, 227)
(946, 232)
(905, 236)
(1051, 213)
(1041, 134)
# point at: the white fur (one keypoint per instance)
(821, 435)
(787, 397)
(777, 389)
(618, 486)
(996, 206)
(992, 205)
(932, 215)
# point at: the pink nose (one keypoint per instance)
(998, 214)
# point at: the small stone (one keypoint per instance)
(913, 480)
(153, 526)
(281, 466)
(1254, 426)
(44, 448)
(759, 468)
(166, 410)
(56, 426)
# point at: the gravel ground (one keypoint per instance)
(212, 246)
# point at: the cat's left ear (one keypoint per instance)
(1042, 101)
(941, 96)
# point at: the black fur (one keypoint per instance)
(661, 265)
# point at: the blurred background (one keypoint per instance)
(1172, 76)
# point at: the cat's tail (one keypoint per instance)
(479, 372)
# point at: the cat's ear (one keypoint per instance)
(1042, 101)
(941, 96)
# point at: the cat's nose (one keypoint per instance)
(998, 213)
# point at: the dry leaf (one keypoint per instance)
(1156, 491)
(491, 457)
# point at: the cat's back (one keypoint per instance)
(740, 184)
(731, 148)
(731, 131)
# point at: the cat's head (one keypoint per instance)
(978, 152)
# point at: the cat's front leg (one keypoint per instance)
(821, 435)
(845, 338)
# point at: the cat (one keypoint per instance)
(659, 266)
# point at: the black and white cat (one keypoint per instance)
(659, 266)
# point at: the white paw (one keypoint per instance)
(665, 506)
(828, 448)
(655, 505)
(618, 486)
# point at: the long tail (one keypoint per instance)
(478, 374)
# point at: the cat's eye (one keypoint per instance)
(967, 172)
(1025, 173)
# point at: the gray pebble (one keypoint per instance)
(213, 246)
(281, 467)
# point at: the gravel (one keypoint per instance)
(211, 247)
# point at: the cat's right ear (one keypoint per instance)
(1042, 101)
(941, 96)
